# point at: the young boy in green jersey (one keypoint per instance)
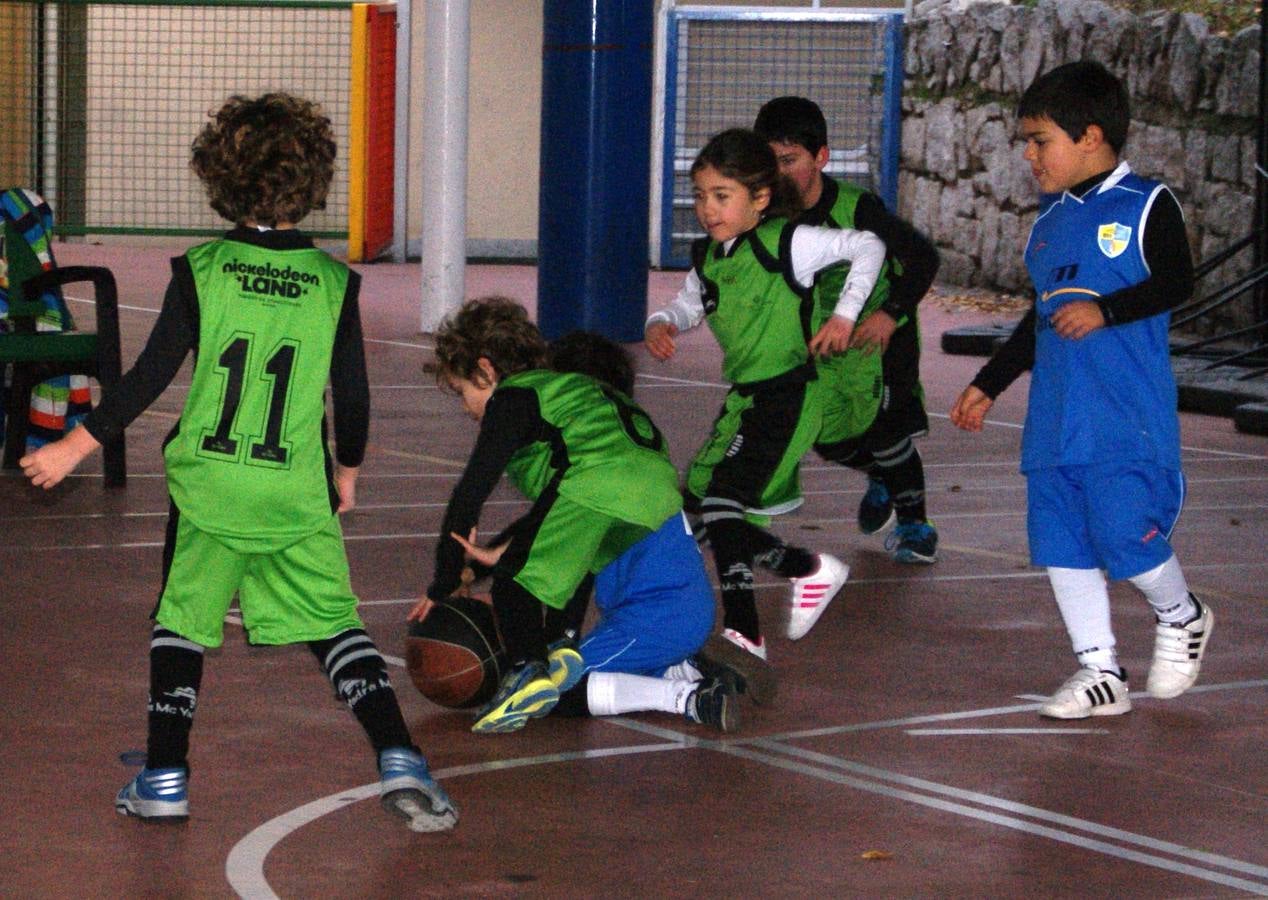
(605, 503)
(873, 404)
(271, 320)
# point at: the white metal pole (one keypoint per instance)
(400, 137)
(446, 47)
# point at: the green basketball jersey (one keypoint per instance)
(752, 304)
(854, 380)
(829, 281)
(602, 447)
(247, 461)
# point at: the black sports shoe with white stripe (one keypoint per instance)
(1089, 692)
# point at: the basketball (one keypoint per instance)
(455, 656)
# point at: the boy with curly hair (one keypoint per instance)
(605, 503)
(255, 496)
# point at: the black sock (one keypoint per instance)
(900, 469)
(176, 672)
(519, 615)
(359, 675)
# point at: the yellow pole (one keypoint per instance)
(358, 106)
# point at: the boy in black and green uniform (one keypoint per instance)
(605, 503)
(873, 400)
(254, 493)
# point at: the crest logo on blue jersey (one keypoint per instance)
(1113, 238)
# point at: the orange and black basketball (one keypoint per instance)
(455, 655)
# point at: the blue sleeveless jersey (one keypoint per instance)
(1111, 395)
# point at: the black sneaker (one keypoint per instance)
(876, 509)
(713, 702)
(750, 675)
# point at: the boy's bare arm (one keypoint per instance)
(48, 465)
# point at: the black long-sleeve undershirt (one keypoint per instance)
(1170, 283)
(512, 419)
(914, 252)
(175, 334)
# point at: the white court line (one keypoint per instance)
(244, 866)
(952, 732)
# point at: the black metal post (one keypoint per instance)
(1261, 174)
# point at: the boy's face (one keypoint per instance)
(724, 206)
(1056, 161)
(803, 168)
(476, 391)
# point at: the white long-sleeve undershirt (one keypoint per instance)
(812, 248)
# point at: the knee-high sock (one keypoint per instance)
(1083, 598)
(567, 622)
(359, 675)
(1167, 592)
(519, 616)
(176, 672)
(901, 470)
(737, 545)
(613, 693)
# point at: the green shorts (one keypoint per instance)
(301, 593)
(754, 454)
(561, 542)
(853, 387)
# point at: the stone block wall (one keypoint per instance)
(963, 181)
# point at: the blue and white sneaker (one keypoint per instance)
(913, 542)
(525, 693)
(156, 794)
(876, 509)
(408, 790)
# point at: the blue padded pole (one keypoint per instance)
(592, 247)
(892, 112)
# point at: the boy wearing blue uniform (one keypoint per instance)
(873, 399)
(271, 321)
(1108, 258)
(605, 503)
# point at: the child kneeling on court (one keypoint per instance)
(253, 508)
(605, 500)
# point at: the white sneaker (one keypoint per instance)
(1089, 692)
(739, 640)
(812, 594)
(1178, 653)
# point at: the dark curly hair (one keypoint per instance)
(267, 160)
(496, 328)
(742, 155)
(594, 355)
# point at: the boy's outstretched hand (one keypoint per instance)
(659, 338)
(969, 411)
(47, 466)
(833, 337)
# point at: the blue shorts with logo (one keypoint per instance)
(1114, 516)
(655, 605)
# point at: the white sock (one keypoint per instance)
(1167, 592)
(683, 671)
(613, 693)
(1083, 598)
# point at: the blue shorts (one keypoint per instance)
(655, 605)
(1116, 516)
